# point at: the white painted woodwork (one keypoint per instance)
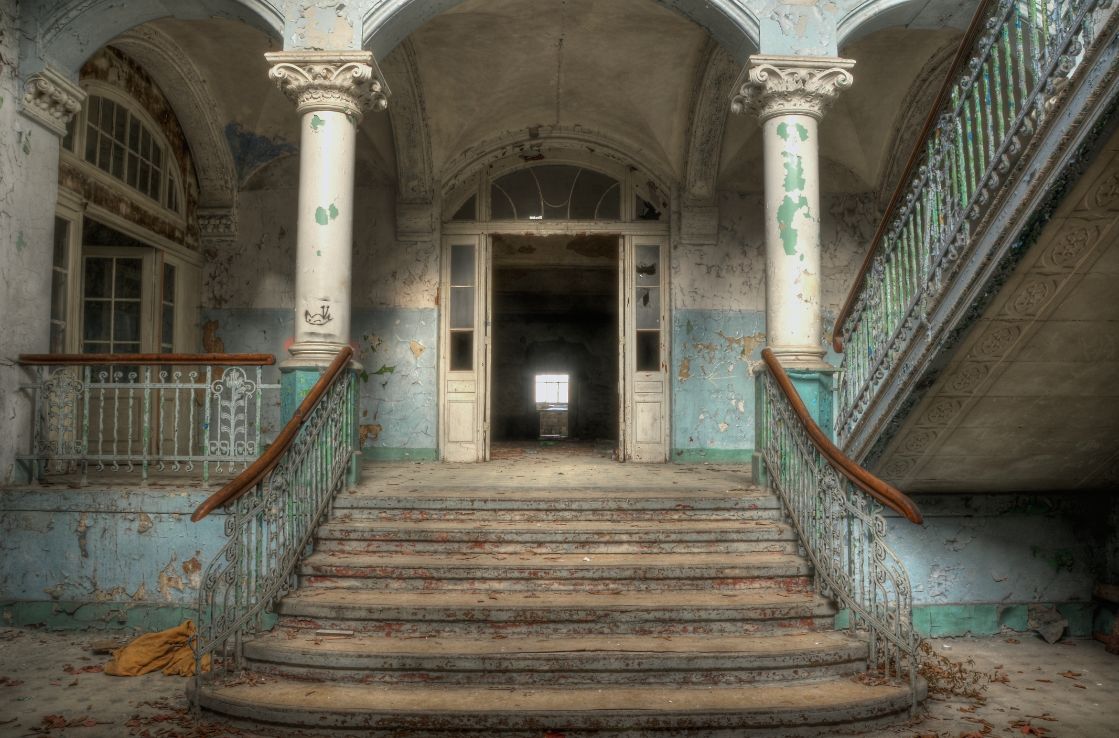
(645, 405)
(464, 411)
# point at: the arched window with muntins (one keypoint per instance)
(120, 144)
(555, 192)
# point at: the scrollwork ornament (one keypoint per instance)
(778, 85)
(52, 99)
(346, 82)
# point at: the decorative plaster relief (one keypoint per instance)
(349, 82)
(52, 99)
(790, 85)
(217, 224)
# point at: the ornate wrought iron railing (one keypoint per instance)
(273, 509)
(836, 507)
(147, 412)
(1013, 66)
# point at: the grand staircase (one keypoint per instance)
(556, 600)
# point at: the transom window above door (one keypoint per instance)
(555, 192)
(526, 191)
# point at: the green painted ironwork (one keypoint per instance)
(1016, 71)
(148, 418)
(843, 532)
(269, 530)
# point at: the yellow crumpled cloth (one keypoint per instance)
(168, 650)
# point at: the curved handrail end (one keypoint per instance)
(887, 494)
(267, 461)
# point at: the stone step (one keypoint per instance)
(556, 614)
(798, 708)
(571, 661)
(681, 515)
(474, 503)
(582, 536)
(688, 571)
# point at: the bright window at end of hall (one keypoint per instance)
(551, 389)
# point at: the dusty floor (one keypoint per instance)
(51, 685)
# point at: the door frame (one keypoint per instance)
(628, 233)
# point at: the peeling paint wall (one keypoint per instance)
(28, 179)
(106, 551)
(979, 561)
(249, 292)
(399, 396)
(718, 322)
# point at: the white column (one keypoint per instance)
(789, 95)
(331, 90)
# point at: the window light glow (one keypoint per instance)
(552, 388)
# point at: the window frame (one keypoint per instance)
(172, 175)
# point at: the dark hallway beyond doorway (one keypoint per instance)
(555, 312)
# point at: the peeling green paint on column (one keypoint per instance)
(324, 215)
(317, 123)
(783, 131)
(794, 172)
(785, 214)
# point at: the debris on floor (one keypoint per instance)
(168, 651)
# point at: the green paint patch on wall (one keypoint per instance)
(21, 242)
(385, 369)
(379, 453)
(325, 215)
(951, 621)
(712, 455)
(785, 214)
(317, 123)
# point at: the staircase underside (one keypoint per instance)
(573, 597)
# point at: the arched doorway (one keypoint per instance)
(553, 312)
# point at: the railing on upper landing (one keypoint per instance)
(836, 507)
(1013, 68)
(184, 413)
(273, 508)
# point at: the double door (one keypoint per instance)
(466, 353)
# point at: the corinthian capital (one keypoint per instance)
(790, 85)
(52, 99)
(346, 81)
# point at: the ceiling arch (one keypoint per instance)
(70, 31)
(729, 22)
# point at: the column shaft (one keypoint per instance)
(789, 95)
(325, 236)
(792, 222)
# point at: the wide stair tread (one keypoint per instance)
(588, 660)
(530, 605)
(789, 708)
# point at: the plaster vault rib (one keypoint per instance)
(730, 22)
(411, 138)
(197, 110)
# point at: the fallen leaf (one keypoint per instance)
(1070, 674)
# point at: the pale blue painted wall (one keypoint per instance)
(103, 556)
(397, 350)
(712, 390)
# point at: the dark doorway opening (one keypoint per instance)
(555, 346)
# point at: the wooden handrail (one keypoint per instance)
(147, 359)
(884, 492)
(961, 58)
(256, 471)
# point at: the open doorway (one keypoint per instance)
(555, 345)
